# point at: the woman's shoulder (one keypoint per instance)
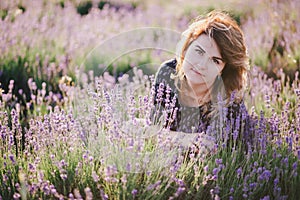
(170, 64)
(165, 70)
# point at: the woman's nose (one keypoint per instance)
(202, 64)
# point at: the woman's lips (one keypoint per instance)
(195, 71)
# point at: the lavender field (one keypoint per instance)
(76, 92)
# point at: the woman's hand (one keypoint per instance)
(205, 144)
(200, 143)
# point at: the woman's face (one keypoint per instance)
(202, 62)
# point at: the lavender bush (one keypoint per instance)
(79, 134)
(97, 148)
(273, 36)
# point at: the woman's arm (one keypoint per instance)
(200, 142)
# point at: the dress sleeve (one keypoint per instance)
(163, 94)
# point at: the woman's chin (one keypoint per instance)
(199, 83)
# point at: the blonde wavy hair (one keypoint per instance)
(231, 43)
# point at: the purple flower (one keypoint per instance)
(217, 190)
(53, 191)
(214, 177)
(285, 161)
(239, 172)
(62, 163)
(5, 178)
(255, 164)
(71, 196)
(179, 191)
(180, 182)
(215, 171)
(103, 195)
(168, 91)
(295, 164)
(153, 186)
(205, 169)
(160, 93)
(95, 177)
(17, 196)
(265, 175)
(245, 188)
(252, 185)
(12, 159)
(259, 170)
(235, 134)
(134, 192)
(46, 189)
(52, 156)
(63, 176)
(17, 186)
(31, 167)
(218, 161)
(266, 198)
(276, 181)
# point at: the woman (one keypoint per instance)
(201, 91)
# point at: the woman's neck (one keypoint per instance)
(194, 94)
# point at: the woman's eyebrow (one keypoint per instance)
(200, 48)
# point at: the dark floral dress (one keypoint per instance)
(168, 110)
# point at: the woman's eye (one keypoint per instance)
(200, 52)
(216, 61)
